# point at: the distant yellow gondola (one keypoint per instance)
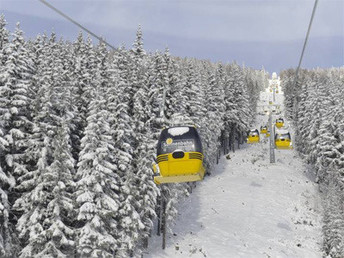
(253, 136)
(263, 129)
(179, 156)
(279, 122)
(283, 140)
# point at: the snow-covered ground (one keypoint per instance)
(249, 208)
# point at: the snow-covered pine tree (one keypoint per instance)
(242, 98)
(15, 75)
(214, 100)
(57, 236)
(4, 34)
(289, 92)
(129, 220)
(255, 84)
(36, 50)
(98, 186)
(145, 189)
(237, 114)
(220, 77)
(158, 86)
(319, 101)
(83, 69)
(45, 203)
(176, 97)
(301, 118)
(325, 153)
(7, 180)
(333, 217)
(194, 94)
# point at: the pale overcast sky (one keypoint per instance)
(255, 32)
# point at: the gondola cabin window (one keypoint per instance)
(177, 145)
(178, 130)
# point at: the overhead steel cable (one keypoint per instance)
(306, 40)
(76, 23)
(87, 30)
(296, 100)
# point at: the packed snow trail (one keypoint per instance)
(249, 208)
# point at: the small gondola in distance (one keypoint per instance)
(279, 122)
(283, 140)
(253, 136)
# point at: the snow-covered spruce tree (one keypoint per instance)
(45, 204)
(157, 85)
(317, 106)
(242, 98)
(51, 234)
(237, 116)
(231, 112)
(36, 51)
(172, 84)
(145, 189)
(326, 153)
(194, 93)
(15, 75)
(328, 142)
(129, 220)
(7, 180)
(82, 70)
(214, 100)
(333, 217)
(287, 77)
(301, 118)
(255, 84)
(4, 35)
(98, 187)
(338, 123)
(177, 98)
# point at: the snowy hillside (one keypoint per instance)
(249, 208)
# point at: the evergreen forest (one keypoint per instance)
(79, 125)
(315, 104)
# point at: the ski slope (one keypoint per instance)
(249, 208)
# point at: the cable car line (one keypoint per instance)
(85, 29)
(306, 40)
(77, 24)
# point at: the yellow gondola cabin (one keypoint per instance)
(279, 122)
(263, 129)
(283, 140)
(253, 136)
(179, 156)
